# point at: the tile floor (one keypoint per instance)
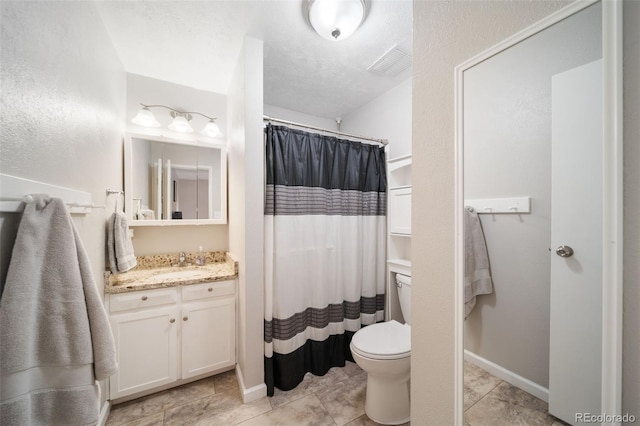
(490, 401)
(335, 399)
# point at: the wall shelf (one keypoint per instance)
(517, 205)
(398, 266)
(399, 234)
(397, 162)
(399, 172)
(398, 229)
(400, 262)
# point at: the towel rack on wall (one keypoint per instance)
(517, 205)
(14, 191)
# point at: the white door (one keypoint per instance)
(208, 336)
(576, 221)
(146, 344)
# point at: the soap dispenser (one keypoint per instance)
(200, 260)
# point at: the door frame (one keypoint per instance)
(612, 200)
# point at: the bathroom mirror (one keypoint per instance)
(538, 163)
(174, 182)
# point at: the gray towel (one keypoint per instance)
(55, 333)
(119, 247)
(477, 275)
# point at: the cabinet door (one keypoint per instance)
(400, 211)
(208, 336)
(147, 348)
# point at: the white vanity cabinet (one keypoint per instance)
(145, 329)
(166, 336)
(208, 327)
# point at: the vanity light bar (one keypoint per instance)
(180, 121)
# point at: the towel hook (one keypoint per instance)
(118, 193)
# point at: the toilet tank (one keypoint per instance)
(403, 283)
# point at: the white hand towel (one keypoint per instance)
(55, 333)
(119, 247)
(477, 275)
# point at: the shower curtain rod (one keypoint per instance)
(384, 142)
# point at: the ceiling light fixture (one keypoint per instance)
(335, 19)
(180, 121)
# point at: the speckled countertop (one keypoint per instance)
(152, 271)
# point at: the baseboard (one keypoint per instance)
(508, 376)
(104, 413)
(250, 394)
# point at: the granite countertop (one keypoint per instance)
(152, 270)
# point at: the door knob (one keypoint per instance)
(564, 251)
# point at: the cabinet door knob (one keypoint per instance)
(564, 251)
(185, 318)
(210, 289)
(144, 298)
(172, 320)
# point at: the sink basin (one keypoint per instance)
(177, 274)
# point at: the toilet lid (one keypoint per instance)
(383, 340)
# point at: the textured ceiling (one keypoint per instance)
(197, 43)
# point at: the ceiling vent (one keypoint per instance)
(392, 63)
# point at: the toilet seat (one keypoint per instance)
(385, 340)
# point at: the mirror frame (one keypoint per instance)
(611, 391)
(128, 182)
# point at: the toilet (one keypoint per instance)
(383, 350)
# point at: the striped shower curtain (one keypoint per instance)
(325, 245)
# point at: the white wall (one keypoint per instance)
(150, 91)
(299, 117)
(141, 89)
(63, 96)
(445, 35)
(507, 153)
(246, 211)
(63, 105)
(631, 332)
(386, 117)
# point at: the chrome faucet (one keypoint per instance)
(182, 259)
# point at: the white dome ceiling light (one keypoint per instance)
(335, 19)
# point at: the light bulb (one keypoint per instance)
(180, 124)
(211, 130)
(145, 118)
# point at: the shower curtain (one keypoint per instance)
(325, 244)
